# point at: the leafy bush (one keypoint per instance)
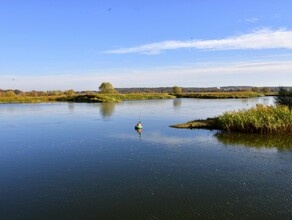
(284, 97)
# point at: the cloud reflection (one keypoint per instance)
(158, 138)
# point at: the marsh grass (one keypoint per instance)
(112, 98)
(140, 96)
(92, 98)
(220, 95)
(26, 99)
(205, 124)
(260, 119)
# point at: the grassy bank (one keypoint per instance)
(94, 98)
(138, 96)
(260, 119)
(209, 123)
(220, 95)
(112, 98)
(26, 99)
(118, 97)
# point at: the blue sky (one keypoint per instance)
(78, 45)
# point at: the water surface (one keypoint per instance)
(86, 161)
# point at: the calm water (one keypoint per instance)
(86, 161)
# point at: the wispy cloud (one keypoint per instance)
(158, 138)
(260, 39)
(252, 20)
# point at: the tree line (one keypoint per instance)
(107, 87)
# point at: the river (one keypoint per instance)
(86, 161)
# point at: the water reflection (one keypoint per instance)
(71, 106)
(177, 103)
(165, 140)
(282, 142)
(107, 109)
(139, 132)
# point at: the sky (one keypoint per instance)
(74, 44)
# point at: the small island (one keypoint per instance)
(260, 119)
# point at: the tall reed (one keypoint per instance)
(260, 119)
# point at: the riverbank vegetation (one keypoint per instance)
(89, 98)
(221, 95)
(27, 99)
(107, 93)
(284, 97)
(113, 98)
(94, 96)
(260, 119)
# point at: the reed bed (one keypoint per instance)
(260, 119)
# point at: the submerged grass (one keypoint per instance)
(220, 95)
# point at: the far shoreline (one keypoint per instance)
(92, 97)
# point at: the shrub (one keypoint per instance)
(284, 97)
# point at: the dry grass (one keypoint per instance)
(220, 95)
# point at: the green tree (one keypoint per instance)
(284, 97)
(177, 90)
(107, 87)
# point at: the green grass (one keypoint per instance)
(220, 95)
(108, 98)
(260, 119)
(116, 97)
(26, 99)
(139, 96)
(94, 98)
(86, 99)
(207, 124)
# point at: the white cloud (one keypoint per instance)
(252, 20)
(158, 138)
(260, 39)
